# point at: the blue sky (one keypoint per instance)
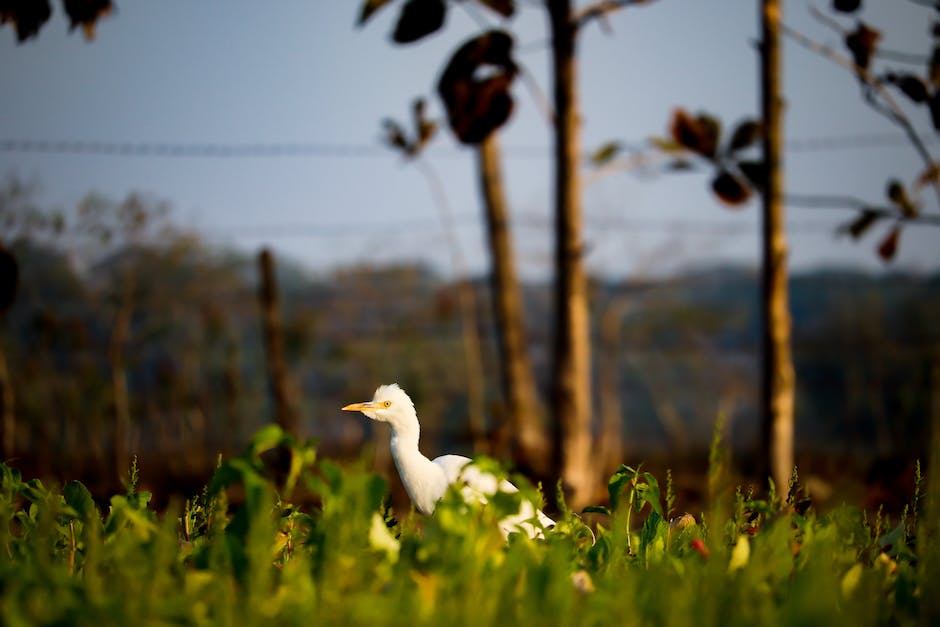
(300, 72)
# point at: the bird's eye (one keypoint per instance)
(387, 403)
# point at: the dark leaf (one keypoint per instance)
(862, 42)
(698, 134)
(912, 86)
(596, 509)
(419, 18)
(85, 13)
(606, 152)
(424, 128)
(933, 67)
(395, 135)
(745, 134)
(426, 132)
(9, 279)
(930, 176)
(730, 189)
(846, 6)
(27, 16)
(934, 105)
(369, 7)
(478, 102)
(889, 245)
(898, 196)
(857, 227)
(679, 165)
(506, 8)
(754, 172)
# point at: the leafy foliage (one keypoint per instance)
(736, 175)
(475, 86)
(246, 552)
(29, 16)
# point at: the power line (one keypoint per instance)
(264, 150)
(419, 226)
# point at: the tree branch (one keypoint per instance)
(601, 9)
(882, 53)
(852, 203)
(873, 87)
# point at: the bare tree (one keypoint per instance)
(778, 380)
(571, 370)
(531, 447)
(285, 411)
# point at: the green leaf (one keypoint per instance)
(606, 153)
(653, 536)
(369, 7)
(596, 509)
(267, 438)
(35, 491)
(79, 498)
(616, 484)
(651, 494)
(418, 19)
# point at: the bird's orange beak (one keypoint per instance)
(362, 406)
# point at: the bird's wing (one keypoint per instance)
(478, 485)
(452, 465)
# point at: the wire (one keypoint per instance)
(369, 151)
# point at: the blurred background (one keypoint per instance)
(148, 155)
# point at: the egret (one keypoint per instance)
(426, 480)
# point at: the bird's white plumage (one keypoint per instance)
(425, 480)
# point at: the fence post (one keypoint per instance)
(284, 408)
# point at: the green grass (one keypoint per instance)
(241, 554)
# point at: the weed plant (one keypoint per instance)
(241, 553)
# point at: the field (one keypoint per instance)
(241, 553)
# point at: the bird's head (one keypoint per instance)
(389, 404)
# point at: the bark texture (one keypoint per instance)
(284, 408)
(571, 380)
(530, 445)
(778, 378)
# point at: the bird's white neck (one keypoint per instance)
(424, 480)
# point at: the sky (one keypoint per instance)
(300, 73)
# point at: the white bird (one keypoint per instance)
(425, 480)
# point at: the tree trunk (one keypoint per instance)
(571, 380)
(473, 362)
(530, 444)
(284, 409)
(610, 445)
(778, 378)
(7, 415)
(120, 334)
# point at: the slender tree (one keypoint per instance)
(531, 447)
(285, 411)
(571, 371)
(777, 374)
